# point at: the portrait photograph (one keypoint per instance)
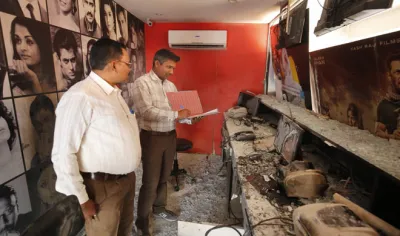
(36, 118)
(41, 185)
(67, 56)
(14, 196)
(136, 32)
(122, 25)
(367, 74)
(33, 9)
(28, 50)
(126, 93)
(138, 66)
(64, 14)
(90, 18)
(5, 91)
(108, 19)
(11, 161)
(87, 44)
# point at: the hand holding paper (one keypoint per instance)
(188, 100)
(183, 114)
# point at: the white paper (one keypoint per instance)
(189, 119)
(208, 113)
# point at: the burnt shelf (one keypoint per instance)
(378, 152)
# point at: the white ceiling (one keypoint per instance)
(242, 11)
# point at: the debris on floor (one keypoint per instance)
(202, 201)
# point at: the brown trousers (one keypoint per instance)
(158, 152)
(116, 202)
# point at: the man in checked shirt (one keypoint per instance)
(157, 136)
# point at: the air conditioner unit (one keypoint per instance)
(197, 39)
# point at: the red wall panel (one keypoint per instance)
(218, 76)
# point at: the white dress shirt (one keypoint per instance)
(36, 8)
(95, 132)
(151, 104)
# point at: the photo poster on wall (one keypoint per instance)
(359, 84)
(44, 50)
(291, 68)
(137, 57)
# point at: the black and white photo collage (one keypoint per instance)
(44, 50)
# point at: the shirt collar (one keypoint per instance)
(107, 88)
(155, 77)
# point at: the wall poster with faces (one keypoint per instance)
(87, 44)
(11, 162)
(28, 50)
(122, 25)
(36, 9)
(5, 91)
(44, 50)
(14, 198)
(90, 18)
(64, 14)
(136, 47)
(367, 74)
(36, 117)
(67, 56)
(108, 19)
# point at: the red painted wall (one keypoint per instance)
(218, 76)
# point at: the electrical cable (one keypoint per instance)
(222, 226)
(262, 223)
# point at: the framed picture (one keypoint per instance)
(30, 62)
(87, 43)
(90, 18)
(67, 56)
(36, 118)
(64, 14)
(11, 162)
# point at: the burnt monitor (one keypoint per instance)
(294, 30)
(338, 13)
(250, 101)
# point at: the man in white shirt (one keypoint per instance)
(157, 136)
(28, 8)
(96, 144)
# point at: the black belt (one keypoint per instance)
(156, 133)
(101, 176)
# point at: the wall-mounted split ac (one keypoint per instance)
(197, 39)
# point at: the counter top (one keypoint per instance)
(381, 153)
(258, 206)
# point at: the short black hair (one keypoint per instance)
(163, 55)
(392, 57)
(103, 51)
(64, 39)
(40, 102)
(6, 192)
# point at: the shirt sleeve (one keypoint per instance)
(142, 103)
(73, 117)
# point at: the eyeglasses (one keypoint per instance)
(129, 64)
